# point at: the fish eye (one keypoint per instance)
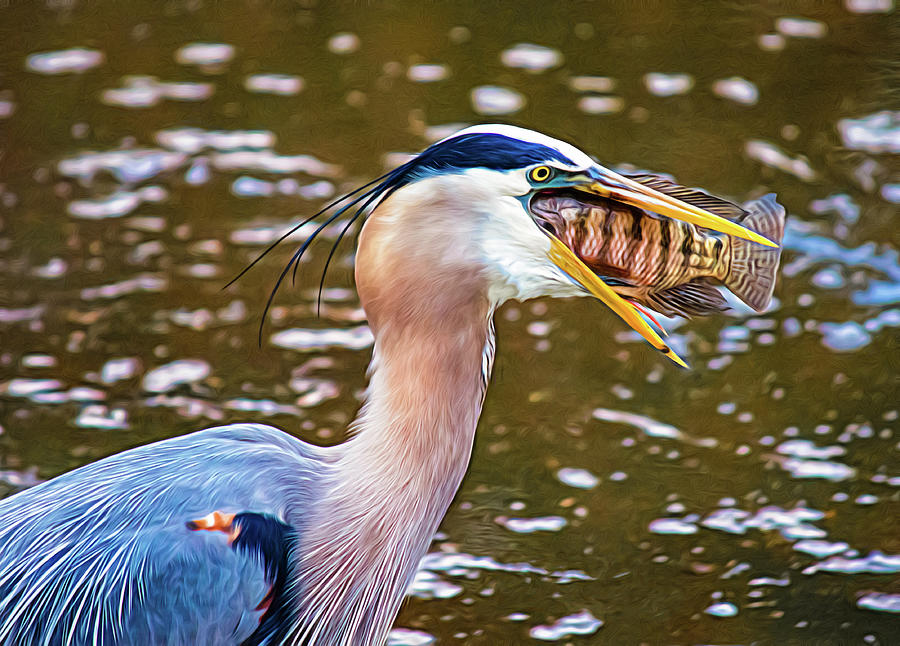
(540, 173)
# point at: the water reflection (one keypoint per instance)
(581, 623)
(67, 61)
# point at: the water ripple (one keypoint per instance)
(579, 478)
(671, 526)
(140, 283)
(39, 361)
(668, 84)
(427, 73)
(169, 376)
(592, 83)
(126, 166)
(101, 417)
(277, 84)
(343, 43)
(532, 58)
(820, 548)
(737, 89)
(148, 91)
(66, 61)
(307, 340)
(246, 186)
(24, 387)
(531, 525)
(649, 426)
(601, 104)
(722, 609)
(808, 449)
(119, 369)
(875, 563)
(204, 54)
(771, 155)
(800, 27)
(428, 585)
(266, 407)
(460, 564)
(491, 100)
(409, 637)
(840, 203)
(194, 140)
(580, 623)
(869, 6)
(880, 602)
(876, 133)
(117, 204)
(791, 522)
(271, 162)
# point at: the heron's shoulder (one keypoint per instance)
(257, 435)
(221, 446)
(244, 466)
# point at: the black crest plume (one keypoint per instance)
(359, 199)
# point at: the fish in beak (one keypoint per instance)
(607, 184)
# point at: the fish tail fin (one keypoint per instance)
(753, 267)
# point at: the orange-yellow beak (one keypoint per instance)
(565, 259)
(606, 183)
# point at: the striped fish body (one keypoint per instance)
(667, 265)
(647, 251)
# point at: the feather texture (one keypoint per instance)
(101, 555)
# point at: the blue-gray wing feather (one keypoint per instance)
(102, 555)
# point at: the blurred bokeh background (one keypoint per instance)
(148, 151)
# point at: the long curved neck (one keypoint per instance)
(392, 482)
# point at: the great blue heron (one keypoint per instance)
(315, 545)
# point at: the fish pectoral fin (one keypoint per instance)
(696, 298)
(694, 196)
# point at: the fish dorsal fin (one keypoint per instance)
(693, 196)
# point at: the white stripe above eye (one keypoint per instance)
(581, 159)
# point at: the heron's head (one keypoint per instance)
(460, 213)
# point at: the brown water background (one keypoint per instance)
(753, 499)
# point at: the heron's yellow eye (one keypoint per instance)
(540, 173)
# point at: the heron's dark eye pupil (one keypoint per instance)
(540, 174)
(546, 226)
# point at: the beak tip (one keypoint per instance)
(674, 357)
(763, 240)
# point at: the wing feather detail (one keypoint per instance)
(101, 555)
